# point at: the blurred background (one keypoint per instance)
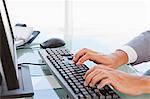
(113, 22)
(117, 20)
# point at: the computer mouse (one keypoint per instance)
(52, 43)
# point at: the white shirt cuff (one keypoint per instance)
(132, 55)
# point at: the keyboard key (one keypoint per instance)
(70, 57)
(77, 90)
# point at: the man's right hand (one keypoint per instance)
(113, 60)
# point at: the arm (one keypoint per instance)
(141, 45)
(137, 50)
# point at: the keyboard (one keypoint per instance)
(70, 76)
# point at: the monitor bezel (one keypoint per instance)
(7, 59)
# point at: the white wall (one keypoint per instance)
(118, 21)
(41, 14)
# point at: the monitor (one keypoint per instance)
(16, 81)
(8, 51)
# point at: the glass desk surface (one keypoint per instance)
(45, 85)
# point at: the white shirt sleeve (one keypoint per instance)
(132, 55)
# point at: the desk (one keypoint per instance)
(44, 84)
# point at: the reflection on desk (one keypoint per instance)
(45, 85)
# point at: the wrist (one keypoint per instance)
(119, 58)
(145, 84)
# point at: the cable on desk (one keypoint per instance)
(31, 64)
(27, 48)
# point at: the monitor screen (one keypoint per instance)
(7, 26)
(8, 49)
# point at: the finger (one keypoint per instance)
(79, 54)
(104, 82)
(99, 77)
(100, 67)
(89, 77)
(89, 71)
(86, 57)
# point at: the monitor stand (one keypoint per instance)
(25, 85)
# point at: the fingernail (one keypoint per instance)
(77, 63)
(85, 84)
(73, 59)
(91, 85)
(99, 87)
(84, 77)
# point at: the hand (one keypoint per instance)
(122, 82)
(113, 60)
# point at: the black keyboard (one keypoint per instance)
(70, 76)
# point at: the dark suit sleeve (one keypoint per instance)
(141, 45)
